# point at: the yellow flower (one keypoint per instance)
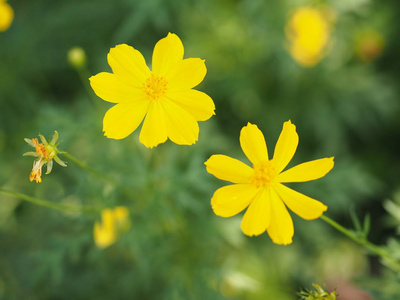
(163, 97)
(6, 15)
(260, 188)
(45, 153)
(308, 32)
(113, 223)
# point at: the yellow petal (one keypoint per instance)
(103, 238)
(109, 88)
(253, 143)
(167, 53)
(300, 204)
(197, 103)
(6, 16)
(280, 228)
(121, 213)
(107, 219)
(286, 146)
(186, 74)
(182, 128)
(122, 119)
(104, 233)
(154, 129)
(257, 217)
(307, 171)
(232, 199)
(128, 65)
(226, 168)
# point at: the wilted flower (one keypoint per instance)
(114, 222)
(45, 153)
(308, 32)
(260, 188)
(163, 97)
(6, 15)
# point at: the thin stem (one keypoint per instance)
(57, 206)
(84, 75)
(87, 168)
(394, 263)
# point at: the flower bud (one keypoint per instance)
(77, 57)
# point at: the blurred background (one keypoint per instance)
(331, 67)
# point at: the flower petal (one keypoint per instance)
(154, 129)
(197, 103)
(307, 171)
(6, 15)
(30, 142)
(286, 146)
(59, 161)
(128, 65)
(109, 88)
(226, 168)
(49, 167)
(182, 128)
(186, 74)
(103, 237)
(257, 217)
(54, 138)
(122, 119)
(281, 226)
(31, 153)
(300, 204)
(232, 199)
(167, 53)
(253, 143)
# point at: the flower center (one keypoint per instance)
(41, 149)
(155, 87)
(264, 174)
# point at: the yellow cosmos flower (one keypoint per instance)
(308, 32)
(45, 153)
(6, 15)
(163, 97)
(113, 223)
(260, 188)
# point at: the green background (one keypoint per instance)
(177, 248)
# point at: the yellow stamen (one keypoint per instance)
(155, 87)
(264, 174)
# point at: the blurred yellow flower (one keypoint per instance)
(45, 153)
(369, 45)
(113, 223)
(6, 15)
(163, 97)
(308, 32)
(260, 188)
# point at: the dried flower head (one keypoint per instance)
(45, 153)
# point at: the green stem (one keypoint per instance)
(84, 75)
(394, 263)
(87, 168)
(57, 206)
